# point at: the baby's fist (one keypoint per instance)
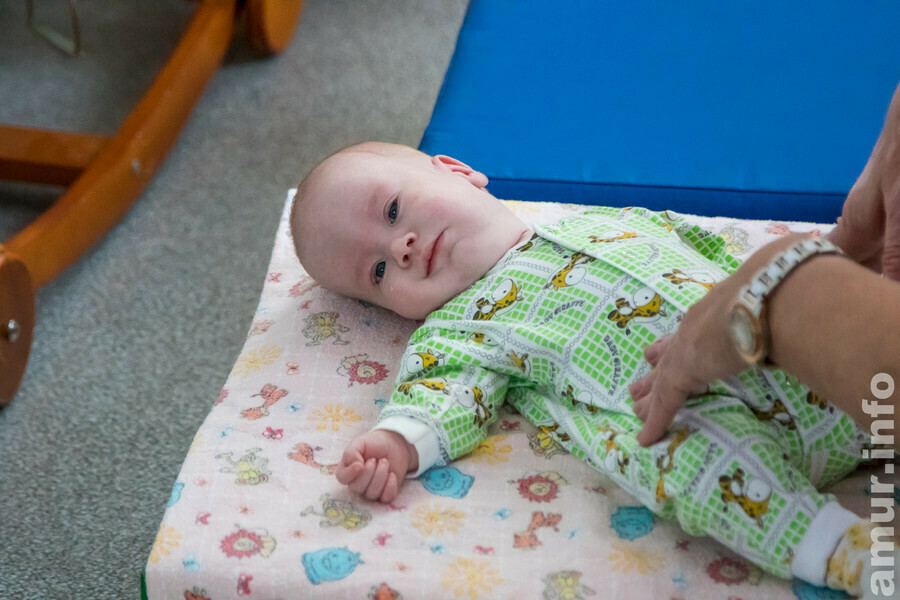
(375, 464)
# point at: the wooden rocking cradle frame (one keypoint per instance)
(104, 175)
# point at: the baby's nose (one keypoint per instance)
(403, 246)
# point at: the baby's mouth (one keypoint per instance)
(429, 261)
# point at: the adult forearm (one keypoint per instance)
(835, 326)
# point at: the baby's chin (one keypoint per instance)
(420, 314)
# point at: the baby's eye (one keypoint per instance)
(379, 272)
(393, 209)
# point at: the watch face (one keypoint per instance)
(742, 331)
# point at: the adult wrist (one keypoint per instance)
(784, 301)
(749, 323)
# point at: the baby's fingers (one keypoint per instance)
(379, 479)
(345, 474)
(361, 483)
(391, 489)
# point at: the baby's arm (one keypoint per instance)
(375, 464)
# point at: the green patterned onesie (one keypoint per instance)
(558, 329)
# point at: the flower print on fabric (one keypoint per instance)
(167, 539)
(471, 577)
(254, 360)
(627, 558)
(542, 487)
(492, 451)
(435, 519)
(244, 544)
(334, 415)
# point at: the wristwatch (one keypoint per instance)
(748, 320)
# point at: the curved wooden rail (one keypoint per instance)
(106, 175)
(124, 164)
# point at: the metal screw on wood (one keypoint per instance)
(12, 330)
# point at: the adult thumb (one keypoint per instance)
(853, 233)
(890, 258)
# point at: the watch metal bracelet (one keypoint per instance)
(754, 294)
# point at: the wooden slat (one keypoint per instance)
(43, 156)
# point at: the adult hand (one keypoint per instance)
(375, 463)
(684, 363)
(869, 227)
(699, 352)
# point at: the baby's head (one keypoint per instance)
(395, 227)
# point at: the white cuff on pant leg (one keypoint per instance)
(824, 533)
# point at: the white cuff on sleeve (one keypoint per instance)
(419, 435)
(817, 546)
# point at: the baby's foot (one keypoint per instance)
(855, 569)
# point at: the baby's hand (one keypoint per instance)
(375, 464)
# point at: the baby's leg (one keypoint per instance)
(722, 473)
(824, 443)
(725, 474)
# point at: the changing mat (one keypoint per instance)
(256, 511)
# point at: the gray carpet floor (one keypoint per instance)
(133, 343)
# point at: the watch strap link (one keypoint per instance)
(753, 295)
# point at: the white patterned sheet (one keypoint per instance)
(256, 513)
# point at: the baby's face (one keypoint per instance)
(406, 232)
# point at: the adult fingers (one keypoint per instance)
(859, 230)
(641, 409)
(890, 259)
(670, 391)
(657, 349)
(641, 387)
(860, 246)
(659, 415)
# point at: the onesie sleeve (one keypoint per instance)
(420, 435)
(456, 397)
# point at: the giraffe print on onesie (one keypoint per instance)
(558, 328)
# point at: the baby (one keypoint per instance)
(554, 321)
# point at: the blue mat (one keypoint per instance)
(766, 109)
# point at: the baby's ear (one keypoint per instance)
(447, 163)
